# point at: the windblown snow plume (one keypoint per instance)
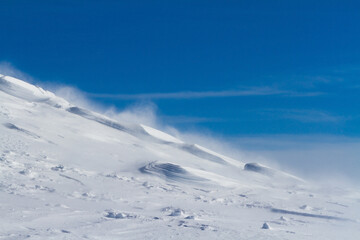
(67, 172)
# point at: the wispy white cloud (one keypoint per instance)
(192, 94)
(188, 119)
(304, 94)
(314, 81)
(312, 116)
(303, 115)
(254, 91)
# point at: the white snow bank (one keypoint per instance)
(29, 92)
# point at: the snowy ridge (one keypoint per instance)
(70, 173)
(26, 91)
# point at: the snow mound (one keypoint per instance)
(169, 171)
(256, 167)
(265, 226)
(266, 171)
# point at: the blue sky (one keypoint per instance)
(235, 68)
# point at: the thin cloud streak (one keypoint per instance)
(303, 115)
(265, 91)
(187, 119)
(313, 116)
(304, 94)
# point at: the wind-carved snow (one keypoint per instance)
(261, 169)
(70, 173)
(160, 135)
(169, 171)
(26, 91)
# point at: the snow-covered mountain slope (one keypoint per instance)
(70, 173)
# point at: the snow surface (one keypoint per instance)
(69, 173)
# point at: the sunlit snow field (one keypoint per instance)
(69, 173)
